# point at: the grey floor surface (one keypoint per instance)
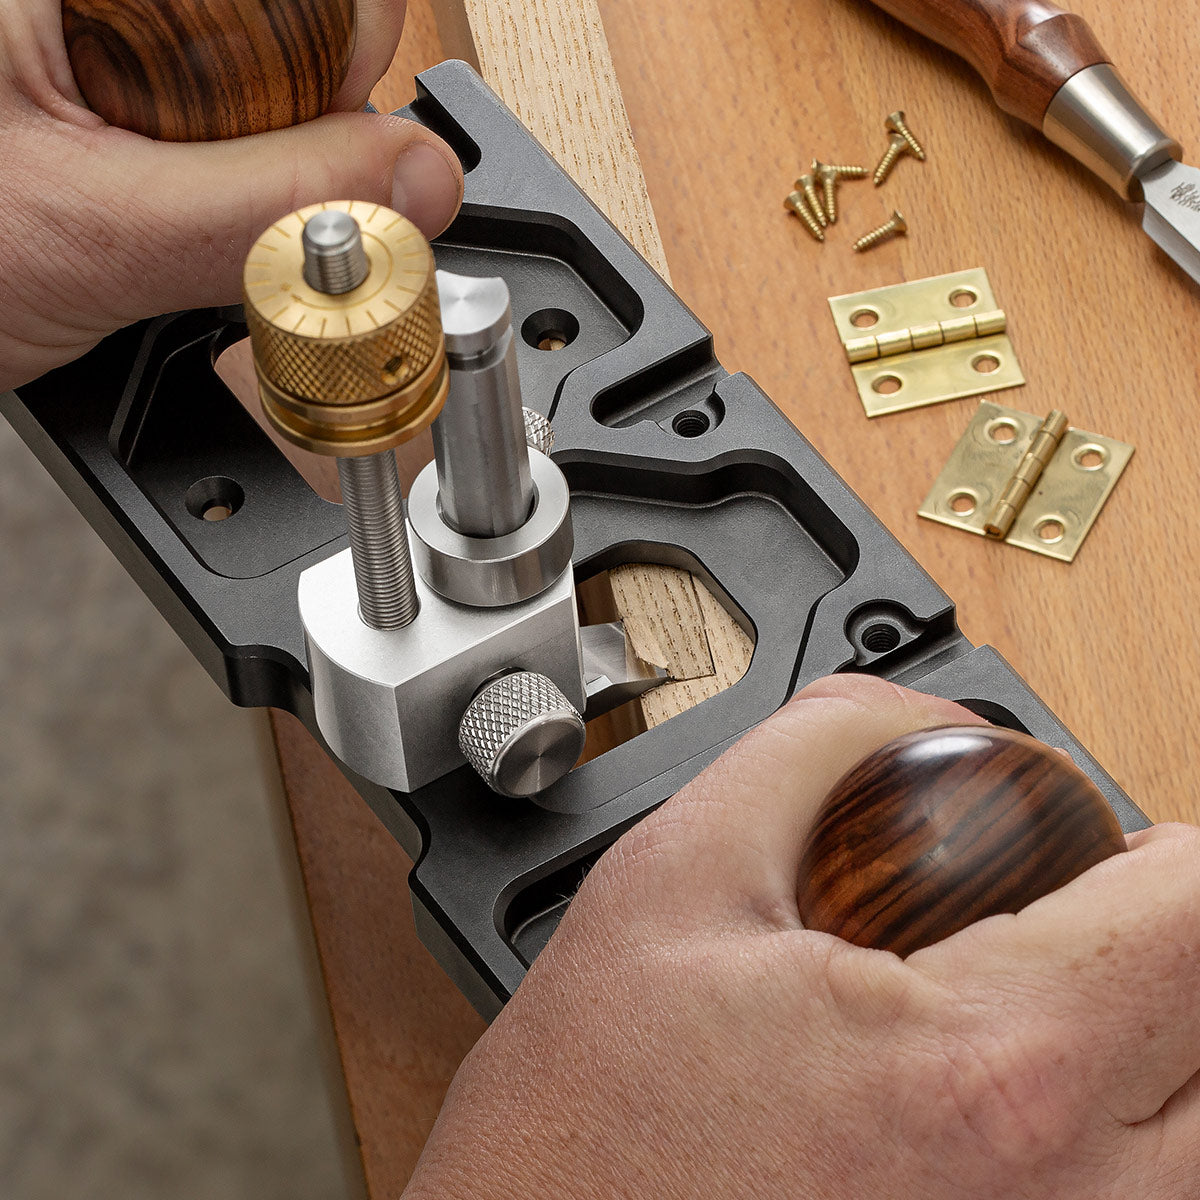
(156, 1034)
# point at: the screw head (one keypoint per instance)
(899, 224)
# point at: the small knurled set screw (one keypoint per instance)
(814, 200)
(900, 143)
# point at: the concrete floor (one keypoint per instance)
(156, 1032)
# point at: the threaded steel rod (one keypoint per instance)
(374, 504)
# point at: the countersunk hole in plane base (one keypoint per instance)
(216, 498)
(550, 329)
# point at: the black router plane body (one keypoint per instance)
(669, 458)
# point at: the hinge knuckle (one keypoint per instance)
(944, 338)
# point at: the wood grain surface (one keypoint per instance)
(1024, 49)
(201, 70)
(941, 828)
(727, 102)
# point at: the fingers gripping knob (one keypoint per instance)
(941, 828)
(521, 734)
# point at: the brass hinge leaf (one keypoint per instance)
(919, 343)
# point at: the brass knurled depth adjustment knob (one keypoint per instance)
(342, 304)
(346, 370)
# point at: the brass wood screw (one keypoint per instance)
(829, 175)
(808, 185)
(795, 203)
(893, 228)
(897, 146)
(895, 124)
(828, 181)
(843, 170)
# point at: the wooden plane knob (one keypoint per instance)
(939, 829)
(202, 70)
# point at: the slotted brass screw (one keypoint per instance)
(893, 228)
(795, 203)
(844, 170)
(808, 185)
(895, 123)
(828, 178)
(897, 146)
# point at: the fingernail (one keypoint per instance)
(425, 188)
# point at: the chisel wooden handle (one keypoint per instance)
(1024, 49)
(200, 70)
(942, 828)
(1045, 66)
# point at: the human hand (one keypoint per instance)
(103, 227)
(682, 1035)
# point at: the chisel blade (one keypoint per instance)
(1172, 216)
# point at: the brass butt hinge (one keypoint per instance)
(1033, 482)
(924, 342)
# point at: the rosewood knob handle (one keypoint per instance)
(939, 829)
(202, 70)
(1024, 49)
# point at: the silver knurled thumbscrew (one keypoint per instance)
(521, 734)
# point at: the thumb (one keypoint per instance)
(731, 841)
(159, 227)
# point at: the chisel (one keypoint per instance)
(1045, 66)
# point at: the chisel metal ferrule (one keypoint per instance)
(1095, 118)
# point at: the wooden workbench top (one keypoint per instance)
(728, 102)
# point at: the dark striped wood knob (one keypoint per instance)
(942, 828)
(202, 70)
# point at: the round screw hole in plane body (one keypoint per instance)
(550, 329)
(691, 423)
(214, 499)
(880, 638)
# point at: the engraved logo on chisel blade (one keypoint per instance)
(1186, 195)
